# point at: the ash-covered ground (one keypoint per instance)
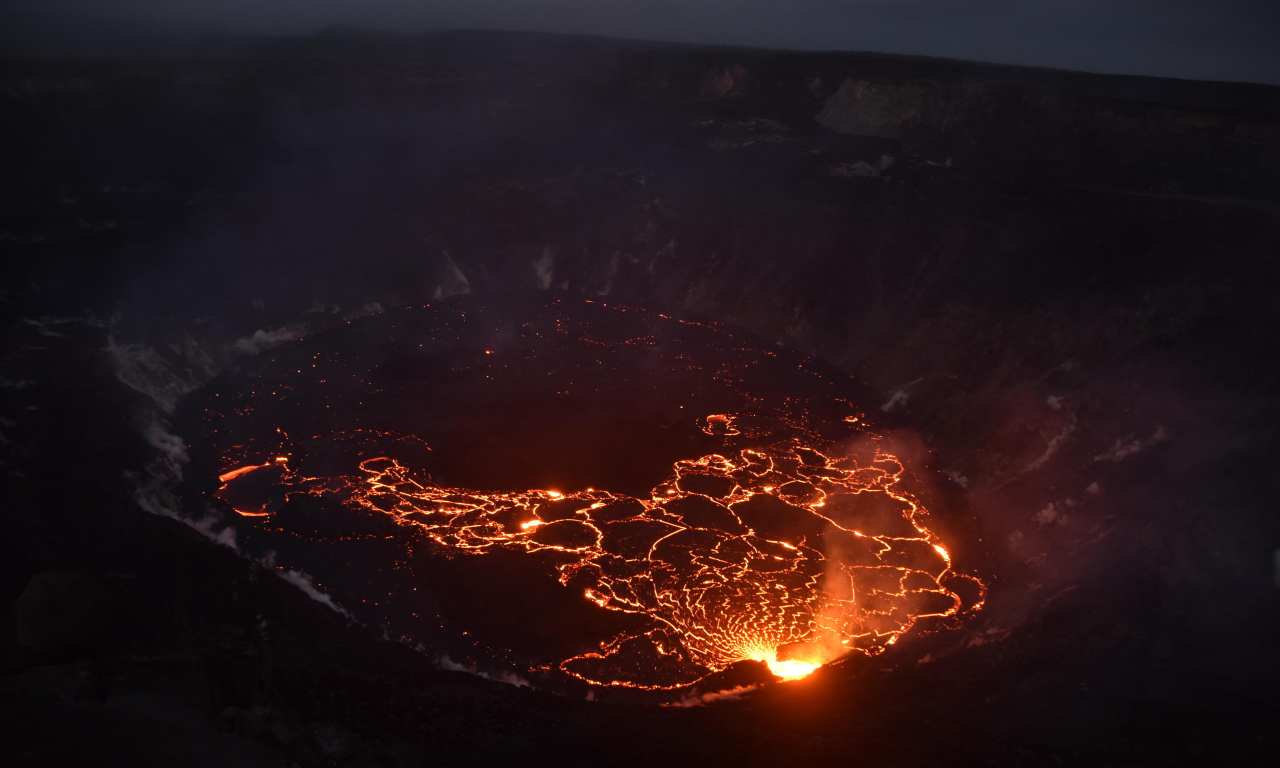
(1055, 292)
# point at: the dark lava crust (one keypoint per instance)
(494, 396)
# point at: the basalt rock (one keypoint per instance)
(66, 612)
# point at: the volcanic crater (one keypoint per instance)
(580, 494)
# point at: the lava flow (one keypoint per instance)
(791, 541)
(734, 557)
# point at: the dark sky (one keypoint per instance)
(1203, 39)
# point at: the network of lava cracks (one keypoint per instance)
(756, 553)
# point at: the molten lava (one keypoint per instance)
(731, 557)
(791, 669)
(793, 542)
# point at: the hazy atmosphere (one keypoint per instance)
(420, 383)
(1197, 39)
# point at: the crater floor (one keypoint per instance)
(582, 493)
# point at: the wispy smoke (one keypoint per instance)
(303, 582)
(1130, 445)
(1055, 443)
(453, 282)
(262, 340)
(506, 678)
(703, 698)
(164, 379)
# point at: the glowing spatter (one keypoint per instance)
(787, 554)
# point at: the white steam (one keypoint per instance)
(164, 378)
(506, 678)
(262, 340)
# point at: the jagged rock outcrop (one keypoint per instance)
(866, 108)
